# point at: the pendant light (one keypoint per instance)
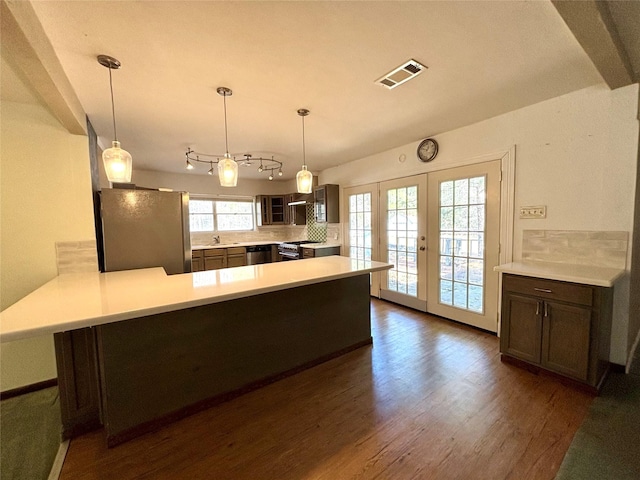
(117, 162)
(304, 178)
(227, 166)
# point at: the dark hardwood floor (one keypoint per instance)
(429, 400)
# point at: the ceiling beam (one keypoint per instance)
(591, 23)
(29, 50)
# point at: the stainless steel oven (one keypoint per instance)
(291, 250)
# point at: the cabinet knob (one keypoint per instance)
(423, 248)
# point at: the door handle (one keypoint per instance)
(543, 290)
(537, 308)
(546, 309)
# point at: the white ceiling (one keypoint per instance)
(484, 59)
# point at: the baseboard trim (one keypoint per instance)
(34, 387)
(58, 462)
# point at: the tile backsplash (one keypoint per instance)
(317, 232)
(77, 257)
(267, 233)
(602, 249)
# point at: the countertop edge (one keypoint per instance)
(582, 274)
(95, 320)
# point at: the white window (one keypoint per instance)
(201, 215)
(211, 215)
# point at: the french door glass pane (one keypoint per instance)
(360, 228)
(402, 239)
(462, 223)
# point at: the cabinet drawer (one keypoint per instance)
(236, 251)
(195, 254)
(549, 289)
(215, 252)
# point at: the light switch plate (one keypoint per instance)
(537, 211)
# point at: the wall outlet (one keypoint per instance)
(538, 211)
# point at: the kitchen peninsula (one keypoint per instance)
(165, 346)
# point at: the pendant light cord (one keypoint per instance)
(226, 138)
(113, 108)
(304, 154)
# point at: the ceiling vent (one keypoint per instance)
(404, 72)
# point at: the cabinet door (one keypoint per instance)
(320, 204)
(326, 252)
(263, 210)
(214, 263)
(196, 264)
(565, 339)
(521, 333)
(236, 260)
(278, 210)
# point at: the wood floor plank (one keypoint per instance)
(429, 400)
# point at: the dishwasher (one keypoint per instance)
(258, 254)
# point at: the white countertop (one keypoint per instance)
(230, 245)
(585, 274)
(251, 244)
(79, 300)
(320, 245)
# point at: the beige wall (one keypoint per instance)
(577, 154)
(45, 198)
(634, 289)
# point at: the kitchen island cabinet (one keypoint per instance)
(167, 346)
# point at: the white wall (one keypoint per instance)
(576, 154)
(45, 198)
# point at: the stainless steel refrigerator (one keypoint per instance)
(145, 228)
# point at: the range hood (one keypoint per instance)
(301, 199)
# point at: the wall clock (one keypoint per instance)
(427, 150)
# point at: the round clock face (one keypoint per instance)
(427, 150)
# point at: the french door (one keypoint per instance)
(362, 240)
(403, 241)
(463, 244)
(443, 245)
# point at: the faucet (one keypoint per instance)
(216, 239)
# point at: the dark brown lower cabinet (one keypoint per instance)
(559, 326)
(77, 364)
(136, 375)
(320, 252)
(566, 340)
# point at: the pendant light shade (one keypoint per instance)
(117, 162)
(228, 171)
(227, 167)
(304, 178)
